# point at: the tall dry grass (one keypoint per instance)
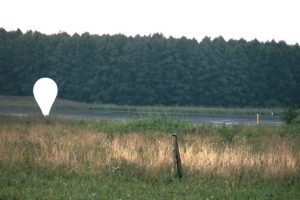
(270, 156)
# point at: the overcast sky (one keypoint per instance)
(248, 19)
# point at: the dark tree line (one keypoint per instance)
(152, 70)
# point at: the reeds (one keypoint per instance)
(266, 156)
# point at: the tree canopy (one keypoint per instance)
(152, 70)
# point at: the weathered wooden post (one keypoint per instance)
(257, 119)
(176, 168)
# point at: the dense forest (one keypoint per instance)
(152, 70)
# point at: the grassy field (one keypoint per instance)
(55, 158)
(17, 103)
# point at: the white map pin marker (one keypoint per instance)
(45, 91)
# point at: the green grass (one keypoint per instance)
(19, 181)
(26, 103)
(18, 103)
(186, 109)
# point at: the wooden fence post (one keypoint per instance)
(176, 168)
(257, 119)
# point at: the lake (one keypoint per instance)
(195, 118)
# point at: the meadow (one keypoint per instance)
(28, 104)
(57, 158)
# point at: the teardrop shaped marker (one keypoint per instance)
(44, 92)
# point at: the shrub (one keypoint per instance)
(226, 133)
(290, 114)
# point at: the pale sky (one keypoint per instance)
(248, 19)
